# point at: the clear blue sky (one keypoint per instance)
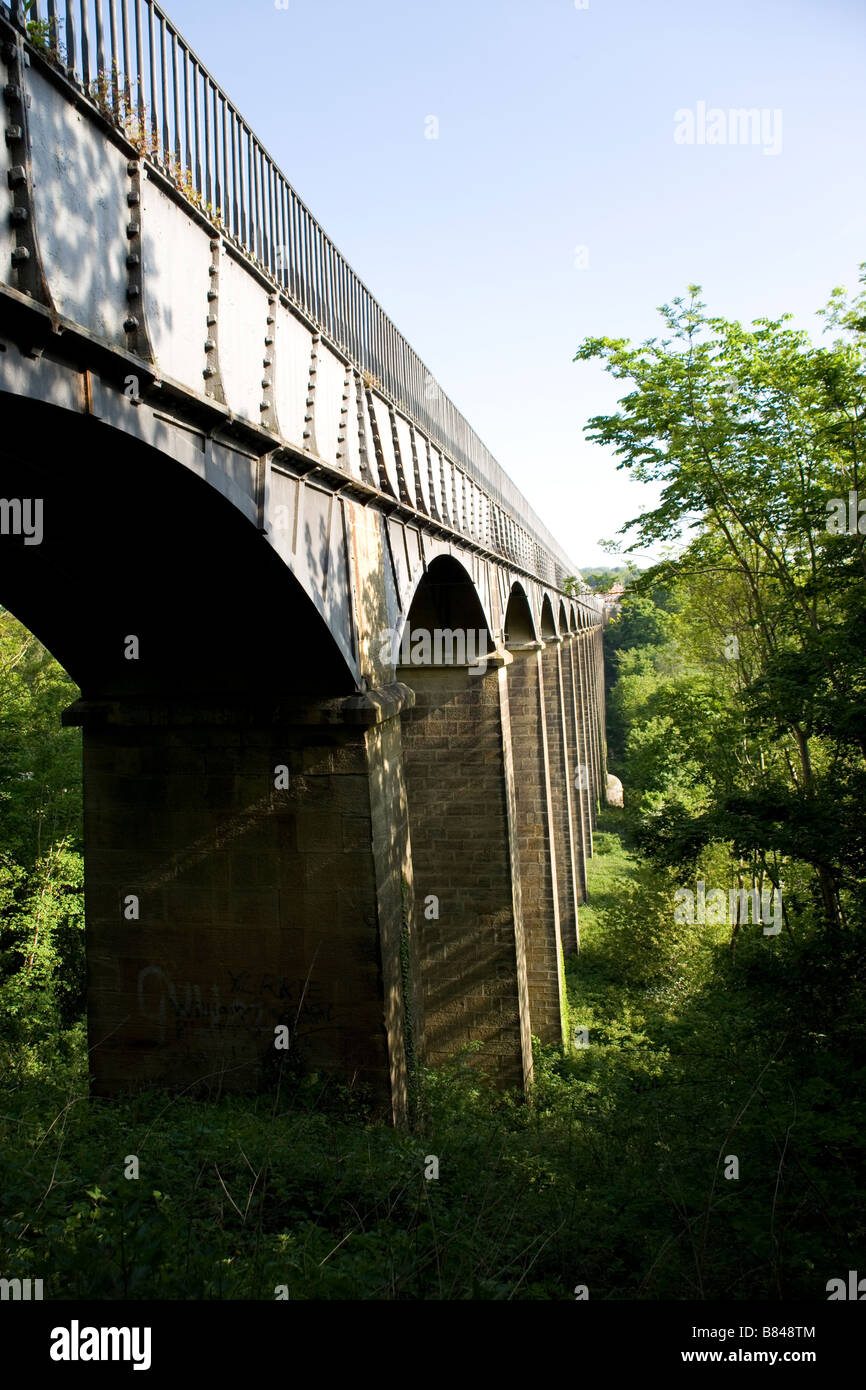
(556, 130)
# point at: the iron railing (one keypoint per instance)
(130, 61)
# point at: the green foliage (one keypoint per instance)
(602, 578)
(610, 1176)
(739, 670)
(41, 867)
(42, 34)
(40, 762)
(641, 622)
(42, 965)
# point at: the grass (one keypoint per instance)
(612, 1176)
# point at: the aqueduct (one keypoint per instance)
(250, 490)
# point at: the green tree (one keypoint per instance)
(752, 434)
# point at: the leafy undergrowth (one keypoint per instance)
(614, 1177)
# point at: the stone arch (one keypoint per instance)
(137, 544)
(518, 627)
(445, 602)
(563, 618)
(548, 622)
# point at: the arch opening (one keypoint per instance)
(518, 628)
(136, 546)
(446, 624)
(548, 623)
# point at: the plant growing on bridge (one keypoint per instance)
(38, 30)
(573, 586)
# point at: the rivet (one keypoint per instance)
(213, 270)
(12, 94)
(269, 342)
(132, 292)
(209, 371)
(211, 320)
(13, 133)
(266, 362)
(20, 214)
(264, 406)
(133, 198)
(212, 294)
(133, 259)
(214, 246)
(130, 324)
(133, 229)
(271, 318)
(265, 383)
(17, 175)
(20, 254)
(131, 167)
(209, 345)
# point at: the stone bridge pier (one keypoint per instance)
(499, 840)
(247, 869)
(459, 761)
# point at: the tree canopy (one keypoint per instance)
(756, 439)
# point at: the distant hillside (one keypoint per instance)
(601, 580)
